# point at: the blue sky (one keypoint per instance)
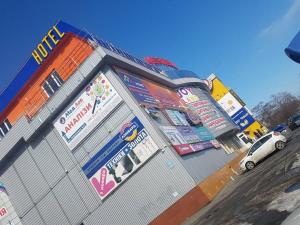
(241, 41)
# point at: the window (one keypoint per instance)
(52, 83)
(265, 139)
(5, 126)
(254, 147)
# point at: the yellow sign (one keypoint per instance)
(48, 43)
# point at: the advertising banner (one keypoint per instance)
(177, 118)
(188, 134)
(148, 92)
(230, 104)
(203, 133)
(137, 88)
(243, 119)
(119, 158)
(177, 140)
(88, 109)
(202, 146)
(3, 212)
(210, 115)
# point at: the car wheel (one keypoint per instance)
(279, 145)
(250, 165)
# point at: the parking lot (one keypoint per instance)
(265, 195)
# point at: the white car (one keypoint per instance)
(262, 148)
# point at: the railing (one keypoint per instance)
(36, 100)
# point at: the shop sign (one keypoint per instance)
(230, 104)
(119, 158)
(243, 119)
(88, 109)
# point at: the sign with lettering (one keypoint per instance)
(43, 49)
(88, 109)
(119, 158)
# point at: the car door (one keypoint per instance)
(253, 151)
(266, 147)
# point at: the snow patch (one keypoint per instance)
(297, 162)
(285, 202)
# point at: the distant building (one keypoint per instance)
(93, 135)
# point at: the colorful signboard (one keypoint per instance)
(119, 158)
(147, 92)
(203, 133)
(210, 115)
(188, 134)
(137, 88)
(243, 118)
(230, 104)
(88, 109)
(177, 140)
(177, 118)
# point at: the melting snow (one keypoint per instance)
(286, 201)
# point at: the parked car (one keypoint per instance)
(294, 122)
(282, 128)
(262, 148)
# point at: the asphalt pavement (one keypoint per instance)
(267, 195)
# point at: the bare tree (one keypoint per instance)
(278, 109)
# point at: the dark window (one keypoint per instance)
(265, 139)
(254, 147)
(4, 127)
(52, 83)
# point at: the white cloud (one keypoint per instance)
(284, 22)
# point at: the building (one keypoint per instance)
(93, 135)
(236, 109)
(8, 215)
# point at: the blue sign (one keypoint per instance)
(111, 149)
(243, 118)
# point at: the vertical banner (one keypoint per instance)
(119, 158)
(88, 109)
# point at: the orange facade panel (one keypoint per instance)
(64, 60)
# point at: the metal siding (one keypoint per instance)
(99, 146)
(84, 189)
(32, 218)
(118, 116)
(147, 193)
(95, 138)
(30, 176)
(17, 192)
(80, 153)
(20, 130)
(202, 164)
(40, 118)
(46, 161)
(73, 82)
(70, 201)
(90, 63)
(61, 150)
(51, 212)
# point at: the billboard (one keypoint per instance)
(147, 92)
(243, 119)
(230, 104)
(119, 158)
(87, 110)
(177, 140)
(203, 106)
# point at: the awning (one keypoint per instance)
(293, 50)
